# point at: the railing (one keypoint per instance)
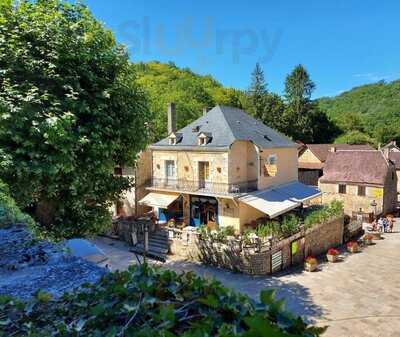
(204, 186)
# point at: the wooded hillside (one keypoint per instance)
(370, 112)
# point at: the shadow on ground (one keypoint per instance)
(297, 297)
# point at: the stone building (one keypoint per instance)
(129, 204)
(224, 169)
(365, 180)
(312, 158)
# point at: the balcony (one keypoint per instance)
(205, 187)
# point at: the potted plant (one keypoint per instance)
(368, 239)
(376, 235)
(332, 255)
(310, 264)
(352, 247)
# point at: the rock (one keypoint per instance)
(27, 266)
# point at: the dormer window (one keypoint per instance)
(204, 138)
(175, 138)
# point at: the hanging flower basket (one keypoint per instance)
(310, 264)
(352, 247)
(332, 255)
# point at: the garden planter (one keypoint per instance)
(310, 266)
(353, 248)
(376, 235)
(331, 258)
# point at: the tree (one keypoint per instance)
(257, 92)
(303, 118)
(72, 110)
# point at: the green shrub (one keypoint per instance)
(323, 214)
(268, 229)
(290, 225)
(10, 214)
(147, 301)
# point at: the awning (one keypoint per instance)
(281, 199)
(298, 191)
(270, 202)
(159, 200)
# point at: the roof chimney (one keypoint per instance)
(171, 118)
(333, 149)
(205, 110)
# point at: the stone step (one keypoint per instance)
(154, 248)
(159, 234)
(152, 254)
(161, 241)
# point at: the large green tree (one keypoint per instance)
(71, 110)
(303, 119)
(257, 92)
(262, 104)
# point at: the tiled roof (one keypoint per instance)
(310, 166)
(352, 166)
(225, 125)
(395, 158)
(321, 151)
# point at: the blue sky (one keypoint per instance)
(342, 43)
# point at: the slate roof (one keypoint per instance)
(352, 166)
(226, 125)
(321, 151)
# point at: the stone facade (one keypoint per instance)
(258, 260)
(384, 196)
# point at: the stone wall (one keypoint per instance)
(256, 259)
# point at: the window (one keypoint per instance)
(118, 171)
(342, 189)
(361, 191)
(170, 168)
(202, 141)
(272, 159)
(172, 141)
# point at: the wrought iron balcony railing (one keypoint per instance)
(204, 186)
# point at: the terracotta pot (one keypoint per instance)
(353, 248)
(376, 235)
(310, 266)
(368, 241)
(331, 258)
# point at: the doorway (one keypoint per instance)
(203, 211)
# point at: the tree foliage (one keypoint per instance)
(70, 110)
(166, 83)
(147, 301)
(368, 113)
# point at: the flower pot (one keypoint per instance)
(376, 235)
(331, 257)
(310, 266)
(353, 248)
(368, 241)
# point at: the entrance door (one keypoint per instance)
(195, 218)
(204, 173)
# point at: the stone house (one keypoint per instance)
(312, 158)
(224, 169)
(365, 180)
(129, 204)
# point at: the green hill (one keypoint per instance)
(370, 112)
(191, 92)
